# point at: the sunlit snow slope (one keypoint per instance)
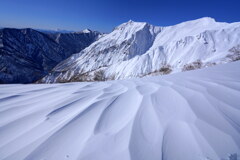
(136, 49)
(186, 116)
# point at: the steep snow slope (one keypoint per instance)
(137, 49)
(27, 55)
(186, 116)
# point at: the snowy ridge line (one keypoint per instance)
(184, 116)
(138, 49)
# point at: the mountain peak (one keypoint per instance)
(199, 23)
(206, 19)
(137, 49)
(203, 20)
(131, 24)
(86, 30)
(130, 21)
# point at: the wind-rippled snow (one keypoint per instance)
(186, 116)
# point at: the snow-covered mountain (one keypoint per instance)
(75, 41)
(137, 49)
(27, 55)
(184, 116)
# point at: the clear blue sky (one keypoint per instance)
(104, 15)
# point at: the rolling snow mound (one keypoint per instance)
(185, 116)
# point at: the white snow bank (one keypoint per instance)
(186, 116)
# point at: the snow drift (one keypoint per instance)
(192, 115)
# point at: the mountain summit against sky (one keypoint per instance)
(27, 55)
(103, 15)
(136, 49)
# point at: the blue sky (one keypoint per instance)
(104, 15)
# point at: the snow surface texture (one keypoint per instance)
(192, 115)
(136, 49)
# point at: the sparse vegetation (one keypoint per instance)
(235, 49)
(165, 69)
(194, 65)
(234, 57)
(209, 64)
(95, 75)
(79, 78)
(99, 75)
(235, 53)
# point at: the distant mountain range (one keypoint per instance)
(54, 31)
(136, 49)
(26, 55)
(133, 49)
